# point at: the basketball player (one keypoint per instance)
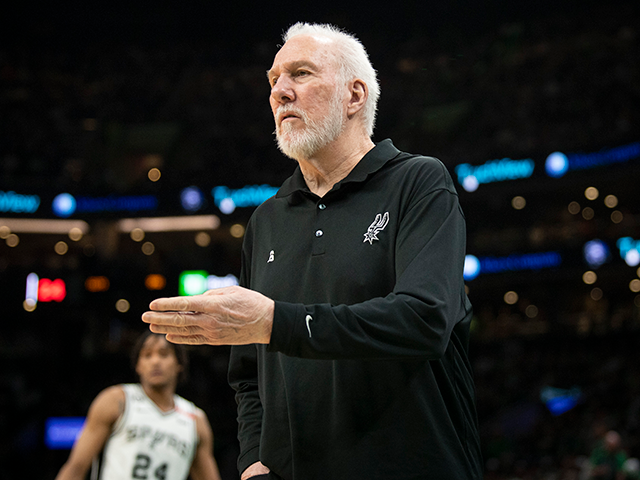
(145, 430)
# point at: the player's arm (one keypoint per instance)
(105, 409)
(204, 466)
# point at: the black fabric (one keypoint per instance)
(367, 373)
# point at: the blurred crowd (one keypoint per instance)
(74, 112)
(526, 437)
(93, 117)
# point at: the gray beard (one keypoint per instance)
(304, 143)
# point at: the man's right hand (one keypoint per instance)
(256, 469)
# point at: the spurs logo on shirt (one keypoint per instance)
(376, 227)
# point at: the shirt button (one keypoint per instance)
(322, 206)
(319, 233)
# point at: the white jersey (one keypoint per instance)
(147, 443)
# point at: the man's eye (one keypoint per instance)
(273, 81)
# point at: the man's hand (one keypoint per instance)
(255, 469)
(224, 316)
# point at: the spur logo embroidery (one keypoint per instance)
(376, 227)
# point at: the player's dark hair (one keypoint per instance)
(179, 350)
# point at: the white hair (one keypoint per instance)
(352, 59)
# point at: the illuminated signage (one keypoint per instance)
(227, 199)
(195, 282)
(17, 203)
(51, 290)
(596, 253)
(31, 295)
(43, 290)
(191, 199)
(61, 432)
(192, 282)
(529, 261)
(471, 267)
(470, 177)
(65, 204)
(220, 282)
(629, 250)
(558, 163)
(474, 266)
(560, 400)
(155, 281)
(97, 283)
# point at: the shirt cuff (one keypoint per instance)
(248, 458)
(288, 318)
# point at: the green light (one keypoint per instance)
(193, 282)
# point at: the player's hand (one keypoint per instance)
(224, 316)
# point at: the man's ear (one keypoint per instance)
(359, 95)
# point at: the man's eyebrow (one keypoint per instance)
(293, 66)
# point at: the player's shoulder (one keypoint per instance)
(112, 393)
(109, 404)
(200, 413)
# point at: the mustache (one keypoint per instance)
(287, 108)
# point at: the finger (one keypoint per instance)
(172, 304)
(178, 319)
(183, 331)
(187, 340)
(205, 302)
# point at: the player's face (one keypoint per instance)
(306, 99)
(157, 363)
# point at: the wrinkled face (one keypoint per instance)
(157, 363)
(307, 100)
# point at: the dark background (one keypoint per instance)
(94, 94)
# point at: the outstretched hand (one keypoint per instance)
(224, 316)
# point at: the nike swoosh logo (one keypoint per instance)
(308, 319)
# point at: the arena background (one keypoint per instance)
(99, 100)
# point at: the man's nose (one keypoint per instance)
(283, 92)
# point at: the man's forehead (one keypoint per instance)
(303, 49)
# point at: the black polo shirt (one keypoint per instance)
(367, 372)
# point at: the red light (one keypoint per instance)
(51, 290)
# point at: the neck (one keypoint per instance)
(333, 162)
(161, 395)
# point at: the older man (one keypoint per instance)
(351, 327)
